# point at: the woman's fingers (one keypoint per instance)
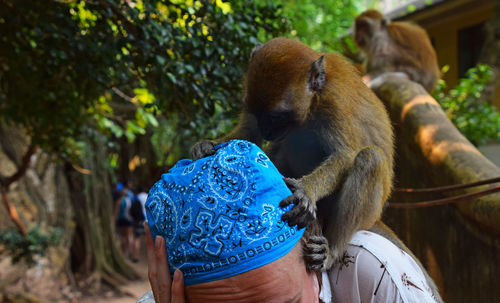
(164, 290)
(162, 271)
(152, 267)
(178, 288)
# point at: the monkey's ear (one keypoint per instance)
(255, 50)
(317, 76)
(384, 22)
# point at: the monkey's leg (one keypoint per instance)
(359, 201)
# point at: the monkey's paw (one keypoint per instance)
(203, 149)
(303, 211)
(316, 253)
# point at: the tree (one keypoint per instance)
(321, 24)
(79, 74)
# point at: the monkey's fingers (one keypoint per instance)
(316, 253)
(292, 184)
(298, 216)
(303, 211)
(292, 199)
(203, 149)
(317, 241)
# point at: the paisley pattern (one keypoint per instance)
(220, 215)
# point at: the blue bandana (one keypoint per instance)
(220, 215)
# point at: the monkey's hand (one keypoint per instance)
(203, 149)
(304, 209)
(316, 253)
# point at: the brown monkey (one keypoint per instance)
(328, 133)
(327, 130)
(396, 47)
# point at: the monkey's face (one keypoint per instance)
(278, 111)
(366, 26)
(275, 125)
(362, 31)
(282, 79)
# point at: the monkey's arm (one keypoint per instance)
(359, 201)
(323, 180)
(309, 189)
(246, 129)
(362, 187)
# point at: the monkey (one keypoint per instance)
(328, 134)
(331, 138)
(401, 47)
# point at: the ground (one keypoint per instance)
(135, 288)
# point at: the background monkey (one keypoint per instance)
(329, 134)
(396, 47)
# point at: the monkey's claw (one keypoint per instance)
(202, 149)
(316, 253)
(303, 211)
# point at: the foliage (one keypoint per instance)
(169, 141)
(72, 71)
(35, 243)
(321, 24)
(478, 120)
(110, 64)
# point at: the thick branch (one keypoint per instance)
(21, 170)
(5, 183)
(11, 210)
(429, 138)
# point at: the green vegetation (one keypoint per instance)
(321, 24)
(478, 120)
(82, 75)
(35, 243)
(108, 64)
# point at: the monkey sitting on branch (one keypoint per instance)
(400, 47)
(329, 135)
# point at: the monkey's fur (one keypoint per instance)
(329, 135)
(396, 47)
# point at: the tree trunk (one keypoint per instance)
(94, 250)
(458, 243)
(49, 194)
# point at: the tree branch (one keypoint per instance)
(11, 210)
(4, 188)
(21, 170)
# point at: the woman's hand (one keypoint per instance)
(164, 290)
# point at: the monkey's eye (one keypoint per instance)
(361, 24)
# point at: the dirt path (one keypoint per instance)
(136, 288)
